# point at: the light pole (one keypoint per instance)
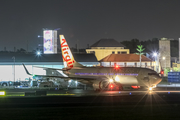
(164, 58)
(39, 36)
(14, 66)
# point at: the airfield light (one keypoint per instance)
(2, 93)
(110, 80)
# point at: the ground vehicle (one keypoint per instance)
(10, 83)
(46, 84)
(6, 83)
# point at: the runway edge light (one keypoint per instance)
(2, 93)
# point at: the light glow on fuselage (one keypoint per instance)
(150, 88)
(110, 80)
(117, 79)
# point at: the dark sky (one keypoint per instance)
(87, 20)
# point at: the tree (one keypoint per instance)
(131, 45)
(166, 70)
(21, 50)
(140, 49)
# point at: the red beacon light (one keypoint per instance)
(116, 66)
(162, 72)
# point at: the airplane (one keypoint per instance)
(103, 77)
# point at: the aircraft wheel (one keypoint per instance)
(97, 90)
(120, 88)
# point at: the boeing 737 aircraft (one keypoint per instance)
(102, 77)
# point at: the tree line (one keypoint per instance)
(151, 46)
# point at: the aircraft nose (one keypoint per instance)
(158, 79)
(155, 79)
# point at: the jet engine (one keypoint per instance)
(100, 85)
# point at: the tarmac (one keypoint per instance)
(78, 104)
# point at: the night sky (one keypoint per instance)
(87, 21)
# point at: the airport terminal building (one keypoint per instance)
(11, 68)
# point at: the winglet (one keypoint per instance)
(26, 70)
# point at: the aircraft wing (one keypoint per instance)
(51, 68)
(75, 78)
(64, 69)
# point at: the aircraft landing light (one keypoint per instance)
(111, 80)
(150, 88)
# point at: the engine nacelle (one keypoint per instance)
(99, 85)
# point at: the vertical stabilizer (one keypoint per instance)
(68, 58)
